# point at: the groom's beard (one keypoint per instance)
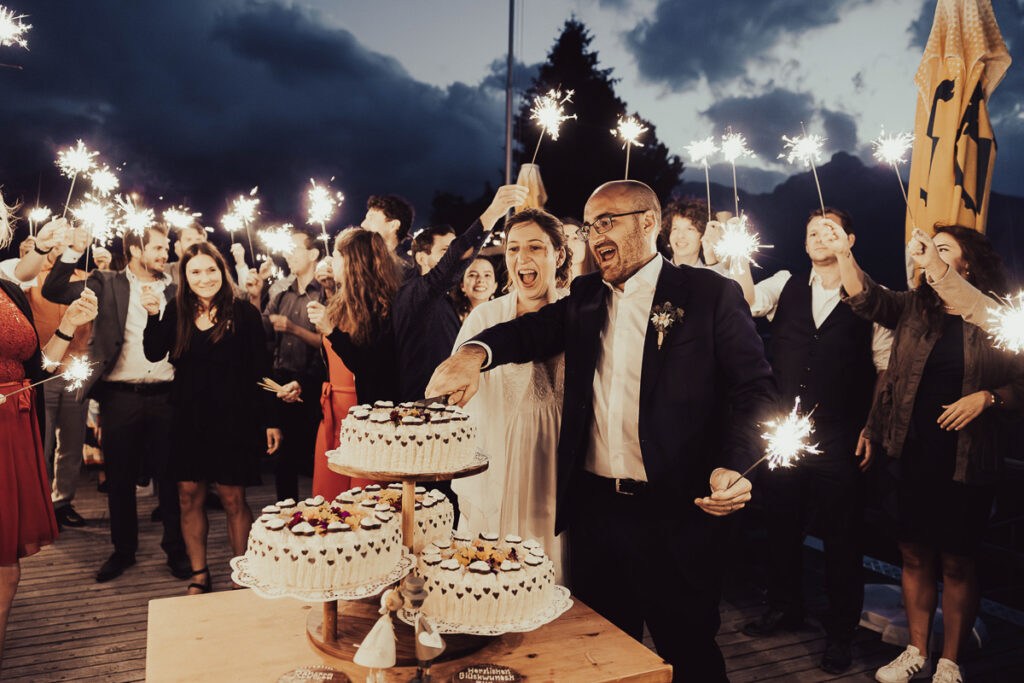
(629, 257)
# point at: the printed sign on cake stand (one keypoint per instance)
(341, 640)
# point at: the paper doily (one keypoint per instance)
(559, 605)
(242, 576)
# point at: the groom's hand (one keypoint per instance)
(729, 492)
(459, 376)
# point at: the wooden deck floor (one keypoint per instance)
(66, 627)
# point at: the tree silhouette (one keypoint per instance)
(586, 154)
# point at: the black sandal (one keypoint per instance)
(203, 587)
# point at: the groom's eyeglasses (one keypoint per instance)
(602, 224)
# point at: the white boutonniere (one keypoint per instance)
(663, 317)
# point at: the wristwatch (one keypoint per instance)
(35, 247)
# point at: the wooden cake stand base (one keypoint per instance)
(356, 620)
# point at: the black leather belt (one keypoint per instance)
(624, 487)
(144, 388)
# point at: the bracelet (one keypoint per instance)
(60, 335)
(39, 251)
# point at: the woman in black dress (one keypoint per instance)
(222, 421)
(942, 409)
(357, 318)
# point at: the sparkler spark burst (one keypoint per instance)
(231, 222)
(738, 244)
(39, 214)
(79, 370)
(322, 203)
(629, 130)
(701, 150)
(787, 438)
(891, 149)
(277, 240)
(548, 111)
(104, 181)
(47, 363)
(802, 148)
(134, 218)
(75, 160)
(179, 218)
(12, 28)
(1007, 324)
(95, 216)
(734, 146)
(245, 207)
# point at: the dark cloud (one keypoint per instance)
(203, 98)
(840, 131)
(764, 119)
(686, 39)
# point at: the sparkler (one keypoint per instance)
(37, 216)
(892, 150)
(12, 28)
(322, 203)
(134, 218)
(629, 130)
(548, 111)
(97, 219)
(78, 370)
(232, 224)
(1006, 324)
(245, 208)
(180, 218)
(699, 151)
(71, 162)
(734, 146)
(787, 440)
(738, 244)
(277, 240)
(807, 149)
(104, 181)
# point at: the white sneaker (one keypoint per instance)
(909, 665)
(947, 671)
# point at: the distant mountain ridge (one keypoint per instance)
(871, 195)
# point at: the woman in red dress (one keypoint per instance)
(27, 522)
(338, 396)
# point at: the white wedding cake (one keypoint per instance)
(486, 582)
(434, 513)
(405, 439)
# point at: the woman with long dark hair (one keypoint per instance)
(479, 283)
(222, 421)
(357, 319)
(942, 410)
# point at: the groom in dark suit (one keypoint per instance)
(665, 383)
(133, 393)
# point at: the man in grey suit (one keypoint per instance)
(133, 393)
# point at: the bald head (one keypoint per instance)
(630, 193)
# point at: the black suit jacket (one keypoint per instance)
(702, 394)
(112, 293)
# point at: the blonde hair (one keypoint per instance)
(6, 222)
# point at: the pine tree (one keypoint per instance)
(586, 154)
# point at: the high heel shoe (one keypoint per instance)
(203, 587)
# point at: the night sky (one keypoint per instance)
(203, 99)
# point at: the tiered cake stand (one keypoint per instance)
(341, 639)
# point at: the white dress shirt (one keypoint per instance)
(823, 302)
(614, 448)
(132, 365)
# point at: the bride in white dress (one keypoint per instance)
(518, 407)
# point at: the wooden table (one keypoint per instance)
(237, 635)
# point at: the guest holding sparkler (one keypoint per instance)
(665, 380)
(298, 365)
(683, 226)
(221, 420)
(133, 392)
(519, 406)
(359, 341)
(66, 411)
(479, 283)
(390, 216)
(583, 261)
(27, 521)
(941, 410)
(828, 357)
